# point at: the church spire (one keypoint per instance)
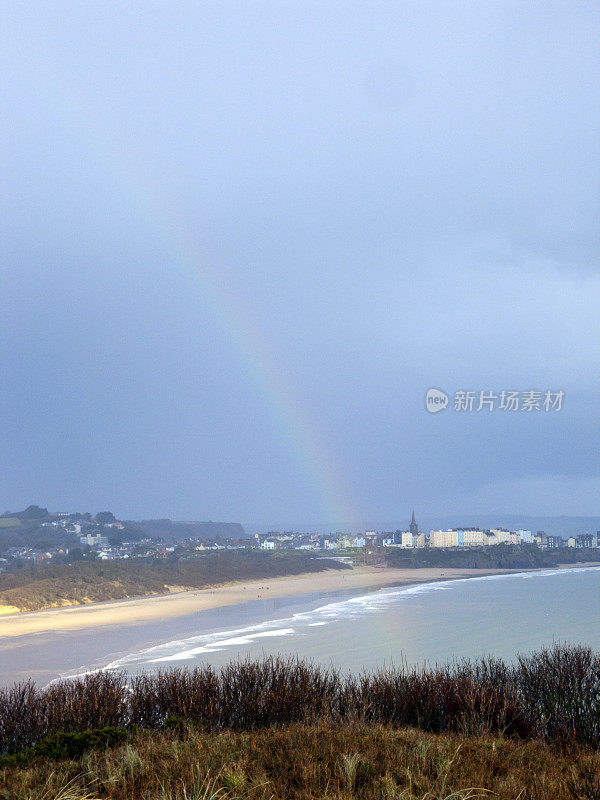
(413, 528)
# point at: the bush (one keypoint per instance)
(553, 694)
(68, 745)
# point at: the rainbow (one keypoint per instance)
(268, 376)
(179, 247)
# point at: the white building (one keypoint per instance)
(525, 537)
(94, 540)
(268, 544)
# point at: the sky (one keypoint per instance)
(241, 240)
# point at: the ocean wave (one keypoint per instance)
(197, 646)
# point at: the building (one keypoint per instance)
(267, 544)
(552, 542)
(91, 540)
(525, 537)
(413, 527)
(406, 538)
(375, 539)
(465, 537)
(345, 541)
(473, 537)
(541, 539)
(502, 536)
(585, 540)
(451, 538)
(419, 539)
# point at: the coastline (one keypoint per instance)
(180, 603)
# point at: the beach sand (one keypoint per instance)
(178, 603)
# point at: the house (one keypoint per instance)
(92, 540)
(585, 540)
(268, 544)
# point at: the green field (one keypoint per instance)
(9, 522)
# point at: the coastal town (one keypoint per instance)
(414, 538)
(38, 536)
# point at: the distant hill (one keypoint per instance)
(173, 531)
(30, 514)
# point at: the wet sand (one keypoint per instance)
(160, 607)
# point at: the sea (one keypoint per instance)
(353, 631)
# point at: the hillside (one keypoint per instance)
(91, 581)
(170, 531)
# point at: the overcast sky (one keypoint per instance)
(241, 240)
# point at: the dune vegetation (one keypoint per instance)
(93, 581)
(319, 761)
(278, 728)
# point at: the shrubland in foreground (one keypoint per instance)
(288, 729)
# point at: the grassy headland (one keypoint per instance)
(92, 581)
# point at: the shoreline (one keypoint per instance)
(181, 603)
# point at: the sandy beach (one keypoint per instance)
(330, 617)
(159, 607)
